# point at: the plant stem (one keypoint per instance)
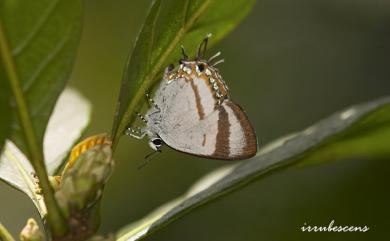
(4, 234)
(56, 220)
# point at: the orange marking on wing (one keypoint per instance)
(84, 146)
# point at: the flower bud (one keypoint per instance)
(31, 231)
(82, 183)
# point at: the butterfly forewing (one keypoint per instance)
(194, 122)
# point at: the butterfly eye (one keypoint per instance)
(201, 67)
(157, 142)
(170, 67)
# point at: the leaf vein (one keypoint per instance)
(34, 32)
(152, 34)
(44, 64)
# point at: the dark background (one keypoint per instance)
(289, 64)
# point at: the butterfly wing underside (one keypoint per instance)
(193, 124)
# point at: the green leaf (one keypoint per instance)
(42, 38)
(38, 41)
(362, 131)
(70, 117)
(168, 25)
(16, 170)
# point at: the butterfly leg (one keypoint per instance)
(148, 158)
(168, 75)
(152, 102)
(141, 117)
(137, 133)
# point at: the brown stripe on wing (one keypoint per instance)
(199, 106)
(222, 146)
(250, 148)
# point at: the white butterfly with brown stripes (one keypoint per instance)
(193, 113)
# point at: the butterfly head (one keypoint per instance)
(201, 68)
(199, 64)
(156, 143)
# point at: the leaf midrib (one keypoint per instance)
(17, 91)
(27, 179)
(34, 149)
(154, 71)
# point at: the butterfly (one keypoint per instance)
(192, 112)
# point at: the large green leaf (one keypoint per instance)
(42, 37)
(362, 131)
(70, 117)
(38, 41)
(169, 24)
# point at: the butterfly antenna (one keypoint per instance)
(219, 62)
(148, 158)
(214, 56)
(203, 47)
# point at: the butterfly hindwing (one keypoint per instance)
(223, 134)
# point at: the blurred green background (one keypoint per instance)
(289, 64)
